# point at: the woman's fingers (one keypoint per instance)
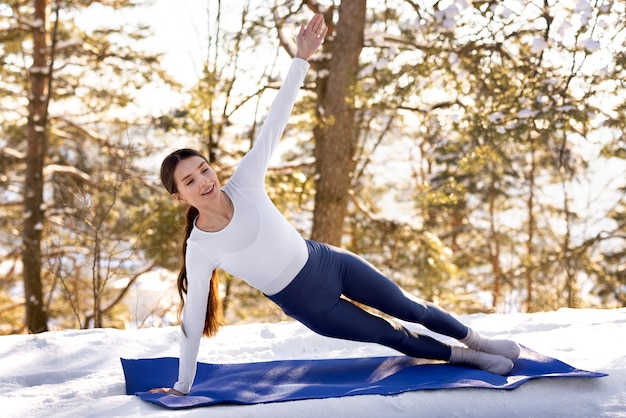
(316, 25)
(169, 391)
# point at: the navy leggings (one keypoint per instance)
(314, 298)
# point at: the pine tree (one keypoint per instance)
(74, 81)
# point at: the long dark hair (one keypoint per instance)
(214, 317)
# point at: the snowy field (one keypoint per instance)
(78, 373)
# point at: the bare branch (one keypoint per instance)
(52, 169)
(13, 153)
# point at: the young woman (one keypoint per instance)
(237, 228)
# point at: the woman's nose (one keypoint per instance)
(204, 181)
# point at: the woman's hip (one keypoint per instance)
(317, 286)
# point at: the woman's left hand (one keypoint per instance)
(310, 37)
(169, 391)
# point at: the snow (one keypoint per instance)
(539, 44)
(591, 45)
(69, 43)
(31, 24)
(75, 373)
(40, 70)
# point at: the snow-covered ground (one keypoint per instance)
(78, 373)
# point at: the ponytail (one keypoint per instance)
(214, 317)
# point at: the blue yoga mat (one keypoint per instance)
(287, 380)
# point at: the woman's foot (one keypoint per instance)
(505, 348)
(488, 362)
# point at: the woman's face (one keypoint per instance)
(196, 182)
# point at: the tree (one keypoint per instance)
(74, 79)
(36, 148)
(525, 93)
(335, 136)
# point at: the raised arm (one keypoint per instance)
(253, 167)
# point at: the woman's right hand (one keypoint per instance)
(169, 391)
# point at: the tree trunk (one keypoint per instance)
(494, 245)
(530, 268)
(335, 139)
(569, 261)
(36, 317)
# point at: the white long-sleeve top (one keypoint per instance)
(258, 245)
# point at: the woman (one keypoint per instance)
(236, 228)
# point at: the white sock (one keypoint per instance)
(505, 348)
(489, 362)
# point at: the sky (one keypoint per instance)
(180, 28)
(77, 373)
(179, 33)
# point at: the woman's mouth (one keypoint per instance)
(206, 192)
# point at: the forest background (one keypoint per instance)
(474, 151)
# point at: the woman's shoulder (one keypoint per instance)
(200, 252)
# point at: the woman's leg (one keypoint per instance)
(314, 298)
(365, 284)
(347, 321)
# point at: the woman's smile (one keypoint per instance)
(209, 191)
